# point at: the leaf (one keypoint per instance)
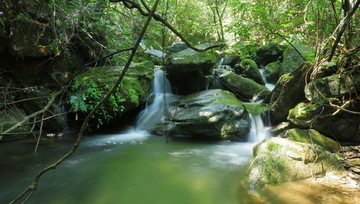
(42, 50)
(58, 22)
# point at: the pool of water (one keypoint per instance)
(128, 167)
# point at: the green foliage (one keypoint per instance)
(87, 93)
(246, 50)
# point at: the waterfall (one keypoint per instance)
(268, 85)
(258, 130)
(154, 111)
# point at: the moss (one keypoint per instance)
(312, 136)
(275, 170)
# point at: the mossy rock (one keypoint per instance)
(25, 31)
(212, 114)
(288, 91)
(272, 71)
(277, 160)
(189, 63)
(248, 69)
(343, 127)
(269, 53)
(311, 136)
(334, 86)
(9, 118)
(96, 82)
(245, 88)
(292, 60)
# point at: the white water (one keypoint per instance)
(258, 130)
(268, 85)
(154, 112)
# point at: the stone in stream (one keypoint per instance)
(311, 136)
(188, 67)
(248, 69)
(230, 60)
(245, 88)
(288, 91)
(272, 71)
(269, 53)
(188, 63)
(277, 160)
(212, 114)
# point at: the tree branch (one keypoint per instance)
(131, 4)
(345, 23)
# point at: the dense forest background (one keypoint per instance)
(87, 62)
(106, 26)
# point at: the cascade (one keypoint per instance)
(161, 94)
(260, 129)
(268, 85)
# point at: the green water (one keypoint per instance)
(129, 167)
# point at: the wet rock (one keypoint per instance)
(212, 114)
(177, 47)
(156, 56)
(288, 91)
(277, 160)
(272, 71)
(248, 69)
(269, 53)
(245, 88)
(189, 63)
(230, 60)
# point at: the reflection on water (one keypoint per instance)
(133, 167)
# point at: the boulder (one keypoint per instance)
(156, 56)
(334, 86)
(212, 114)
(244, 88)
(189, 63)
(92, 85)
(311, 136)
(292, 60)
(9, 118)
(272, 71)
(177, 47)
(248, 69)
(38, 39)
(288, 91)
(343, 127)
(268, 53)
(41, 97)
(230, 60)
(277, 160)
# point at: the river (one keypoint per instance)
(132, 166)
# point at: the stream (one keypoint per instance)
(130, 165)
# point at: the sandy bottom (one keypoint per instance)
(330, 189)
